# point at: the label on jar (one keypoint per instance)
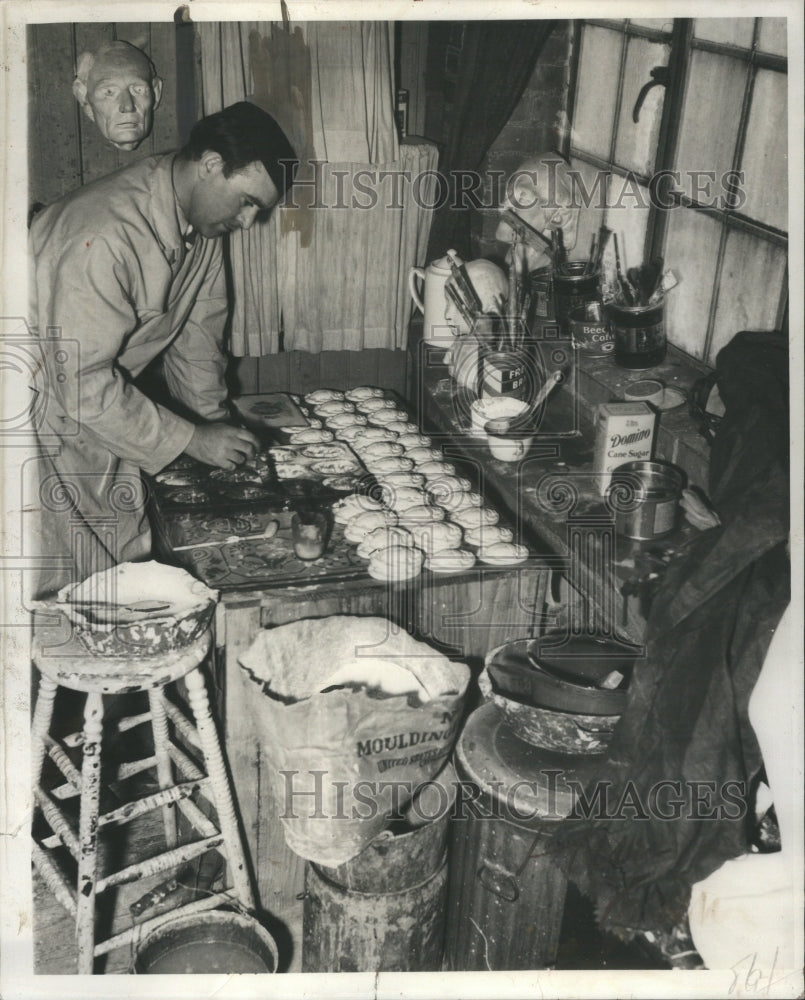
(664, 517)
(503, 377)
(592, 338)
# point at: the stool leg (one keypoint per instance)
(40, 726)
(159, 725)
(88, 832)
(208, 737)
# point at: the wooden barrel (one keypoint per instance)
(506, 889)
(349, 931)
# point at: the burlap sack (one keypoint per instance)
(342, 760)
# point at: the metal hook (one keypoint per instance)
(659, 78)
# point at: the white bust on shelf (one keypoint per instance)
(118, 88)
(540, 191)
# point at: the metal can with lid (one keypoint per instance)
(644, 497)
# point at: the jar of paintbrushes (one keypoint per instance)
(575, 282)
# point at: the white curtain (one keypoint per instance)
(336, 275)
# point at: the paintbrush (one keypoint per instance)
(268, 532)
(512, 310)
(590, 268)
(462, 279)
(628, 293)
(603, 235)
(548, 387)
(452, 292)
(561, 253)
(525, 231)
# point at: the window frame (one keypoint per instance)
(683, 43)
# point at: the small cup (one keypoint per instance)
(507, 441)
(310, 530)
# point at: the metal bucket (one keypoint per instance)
(383, 911)
(214, 942)
(403, 855)
(349, 931)
(645, 499)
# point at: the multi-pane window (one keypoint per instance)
(696, 163)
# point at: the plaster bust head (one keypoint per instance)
(118, 88)
(540, 192)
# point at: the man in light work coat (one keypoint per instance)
(126, 269)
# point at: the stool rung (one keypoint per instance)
(56, 821)
(64, 764)
(65, 791)
(194, 815)
(131, 810)
(139, 931)
(132, 767)
(53, 879)
(160, 863)
(130, 721)
(184, 763)
(75, 740)
(182, 723)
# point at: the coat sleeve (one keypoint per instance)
(82, 291)
(194, 366)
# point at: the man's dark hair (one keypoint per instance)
(242, 134)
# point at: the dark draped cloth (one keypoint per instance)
(686, 719)
(496, 61)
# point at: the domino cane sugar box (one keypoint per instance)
(624, 433)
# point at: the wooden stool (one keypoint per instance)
(69, 665)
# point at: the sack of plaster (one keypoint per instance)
(353, 716)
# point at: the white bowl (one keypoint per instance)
(491, 408)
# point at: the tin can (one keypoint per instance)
(645, 499)
(539, 283)
(504, 374)
(639, 333)
(573, 289)
(592, 336)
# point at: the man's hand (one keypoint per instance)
(222, 445)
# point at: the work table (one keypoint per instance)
(553, 494)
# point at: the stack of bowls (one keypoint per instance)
(562, 693)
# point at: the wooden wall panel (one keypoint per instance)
(54, 160)
(65, 149)
(300, 372)
(162, 50)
